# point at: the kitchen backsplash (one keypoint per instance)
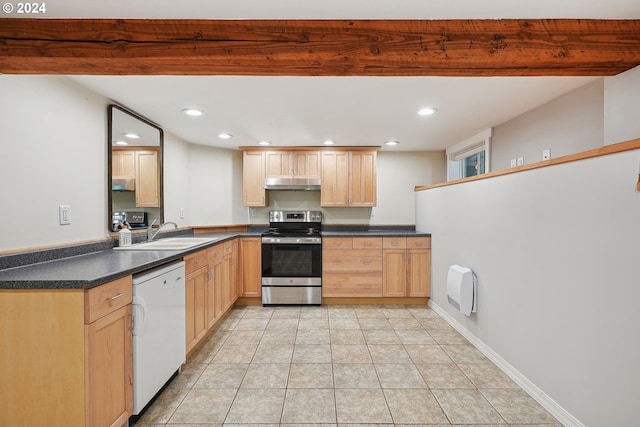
(309, 200)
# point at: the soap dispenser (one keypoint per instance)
(124, 236)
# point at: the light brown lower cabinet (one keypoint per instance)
(251, 254)
(109, 377)
(352, 267)
(66, 356)
(407, 267)
(211, 288)
(376, 267)
(196, 306)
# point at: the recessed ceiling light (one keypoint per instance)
(131, 135)
(427, 111)
(391, 143)
(225, 135)
(329, 142)
(193, 112)
(121, 143)
(264, 143)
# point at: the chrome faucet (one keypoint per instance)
(151, 235)
(150, 230)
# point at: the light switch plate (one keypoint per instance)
(63, 214)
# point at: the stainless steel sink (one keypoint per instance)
(168, 244)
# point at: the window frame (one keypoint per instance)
(475, 144)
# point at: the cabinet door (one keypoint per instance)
(362, 185)
(305, 164)
(196, 306)
(335, 179)
(109, 367)
(277, 164)
(233, 275)
(419, 273)
(215, 298)
(394, 281)
(227, 299)
(252, 179)
(123, 164)
(147, 179)
(251, 253)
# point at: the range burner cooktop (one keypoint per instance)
(297, 225)
(277, 232)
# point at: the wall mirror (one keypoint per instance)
(135, 170)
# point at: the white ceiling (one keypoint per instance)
(350, 110)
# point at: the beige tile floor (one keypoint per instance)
(340, 366)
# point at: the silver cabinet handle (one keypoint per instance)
(115, 297)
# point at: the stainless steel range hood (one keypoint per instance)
(122, 184)
(292, 184)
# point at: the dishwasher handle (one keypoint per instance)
(139, 323)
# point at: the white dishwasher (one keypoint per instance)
(159, 342)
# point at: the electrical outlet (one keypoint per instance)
(254, 212)
(181, 213)
(513, 163)
(63, 214)
(546, 154)
(520, 161)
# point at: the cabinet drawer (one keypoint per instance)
(230, 246)
(104, 299)
(394, 242)
(216, 253)
(195, 261)
(351, 285)
(337, 243)
(418, 242)
(350, 261)
(367, 243)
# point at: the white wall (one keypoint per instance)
(621, 102)
(569, 124)
(177, 191)
(215, 186)
(53, 136)
(398, 174)
(555, 251)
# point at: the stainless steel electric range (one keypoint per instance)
(292, 258)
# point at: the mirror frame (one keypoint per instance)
(110, 109)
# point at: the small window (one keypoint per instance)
(469, 158)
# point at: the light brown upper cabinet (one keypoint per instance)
(123, 164)
(147, 179)
(349, 178)
(252, 179)
(142, 168)
(290, 163)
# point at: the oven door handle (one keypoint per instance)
(293, 240)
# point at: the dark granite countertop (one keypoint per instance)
(372, 231)
(92, 269)
(81, 268)
(375, 233)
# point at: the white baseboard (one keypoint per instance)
(534, 391)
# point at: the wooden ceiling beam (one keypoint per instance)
(524, 47)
